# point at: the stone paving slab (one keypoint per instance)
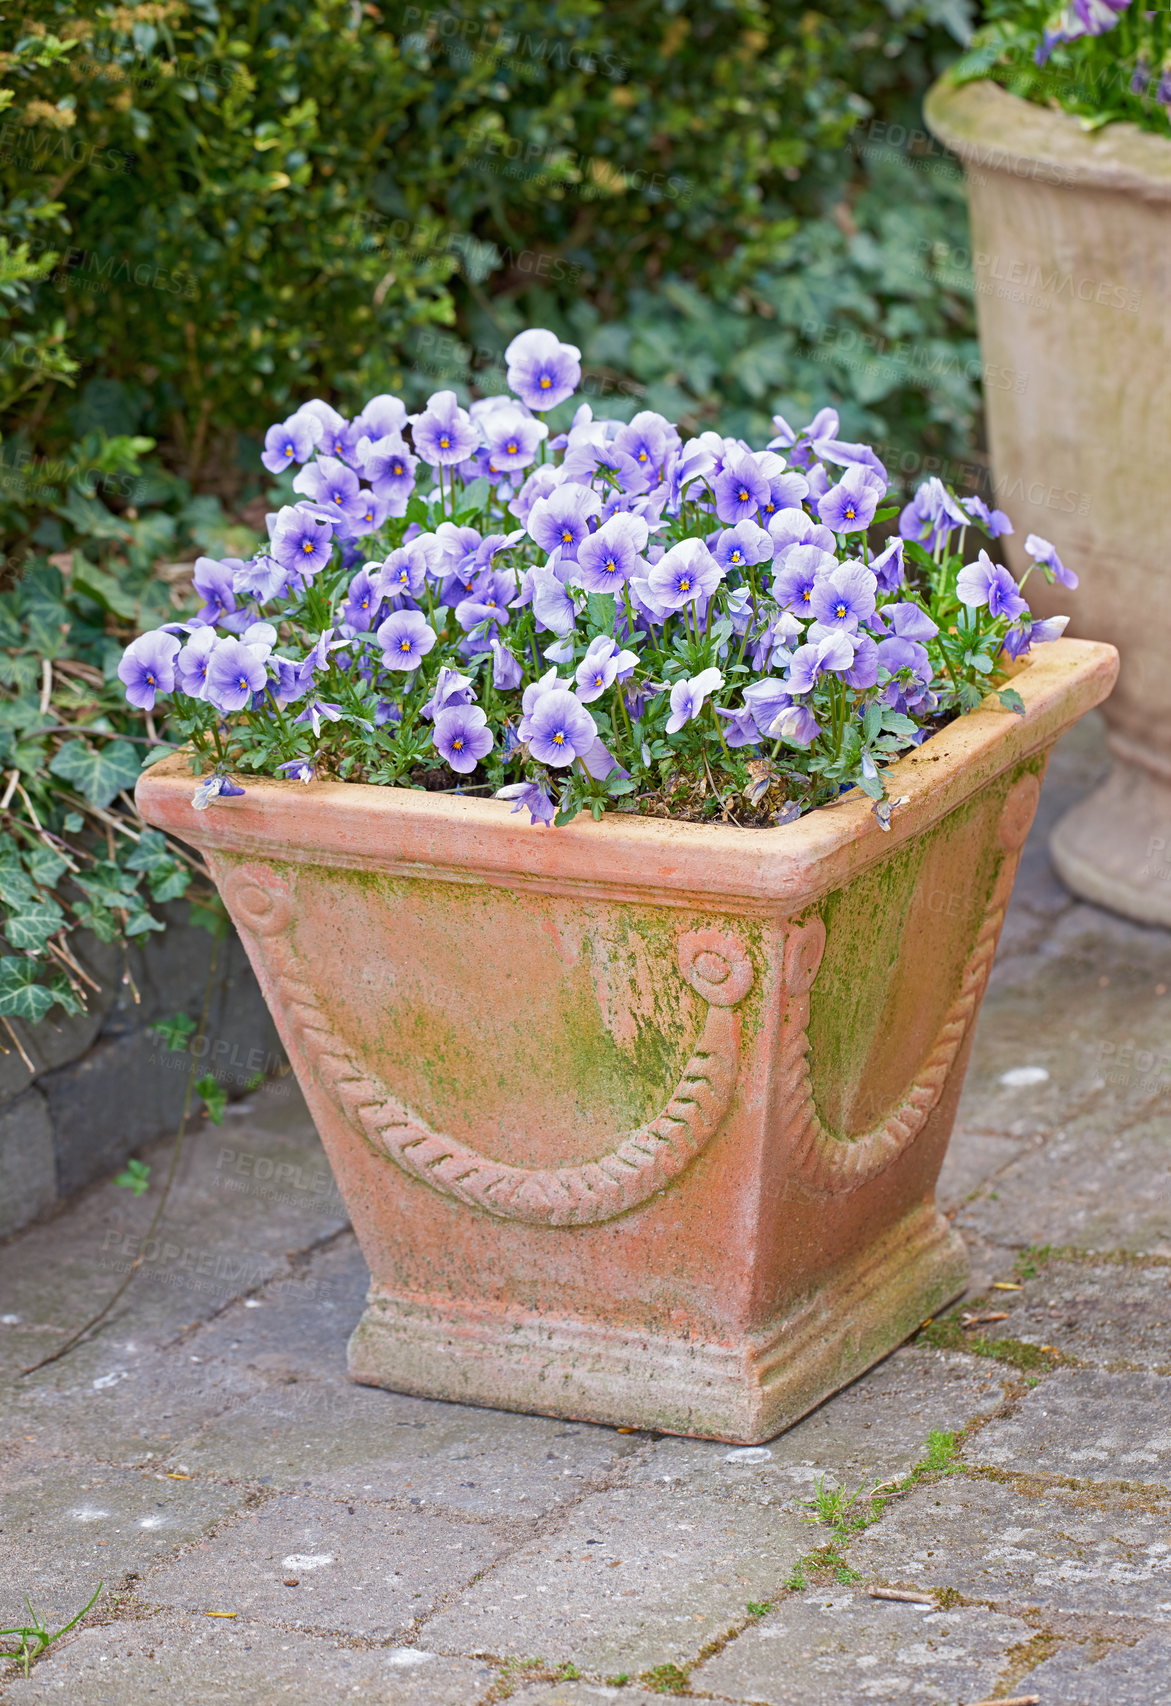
(345, 1439)
(361, 1569)
(839, 1647)
(1015, 1546)
(875, 1430)
(631, 1579)
(1088, 1425)
(1090, 1186)
(1100, 1312)
(216, 1244)
(65, 1527)
(1088, 1675)
(176, 1661)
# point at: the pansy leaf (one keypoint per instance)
(600, 608)
(98, 773)
(1012, 701)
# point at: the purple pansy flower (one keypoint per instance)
(552, 603)
(405, 637)
(863, 672)
(193, 660)
(602, 665)
(390, 469)
(381, 416)
(832, 651)
(687, 697)
(235, 672)
(932, 515)
(794, 527)
(443, 433)
(404, 571)
(849, 506)
(910, 667)
(215, 584)
(607, 559)
(796, 724)
(1024, 633)
(292, 441)
(333, 426)
(649, 438)
(462, 737)
(993, 521)
(738, 547)
(506, 669)
(741, 488)
(147, 667)
(1045, 554)
(561, 521)
(451, 689)
(513, 437)
(301, 541)
(685, 573)
(888, 566)
(361, 602)
(908, 621)
(261, 578)
(797, 573)
(530, 797)
(541, 369)
(297, 769)
(845, 597)
(558, 728)
(318, 709)
(987, 583)
(334, 489)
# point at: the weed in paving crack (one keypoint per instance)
(665, 1679)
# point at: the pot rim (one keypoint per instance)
(668, 861)
(992, 129)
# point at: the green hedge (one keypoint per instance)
(211, 211)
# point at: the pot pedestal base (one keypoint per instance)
(744, 1391)
(1114, 847)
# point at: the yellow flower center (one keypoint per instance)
(805, 594)
(839, 610)
(642, 455)
(849, 515)
(743, 494)
(445, 444)
(545, 382)
(735, 556)
(512, 448)
(684, 585)
(457, 744)
(558, 739)
(404, 645)
(566, 537)
(307, 547)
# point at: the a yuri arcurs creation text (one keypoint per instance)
(606, 615)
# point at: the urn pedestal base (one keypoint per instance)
(744, 1392)
(1114, 847)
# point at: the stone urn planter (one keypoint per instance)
(639, 1121)
(1071, 248)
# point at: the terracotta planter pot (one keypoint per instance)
(1071, 245)
(639, 1121)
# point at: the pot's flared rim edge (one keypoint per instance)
(362, 825)
(990, 128)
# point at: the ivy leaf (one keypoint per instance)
(21, 996)
(102, 588)
(45, 865)
(30, 926)
(176, 1032)
(136, 1178)
(140, 922)
(213, 1096)
(99, 774)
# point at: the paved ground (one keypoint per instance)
(268, 1532)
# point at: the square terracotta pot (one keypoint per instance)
(639, 1121)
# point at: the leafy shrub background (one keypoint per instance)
(213, 209)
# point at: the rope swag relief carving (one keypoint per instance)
(825, 1161)
(636, 1164)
